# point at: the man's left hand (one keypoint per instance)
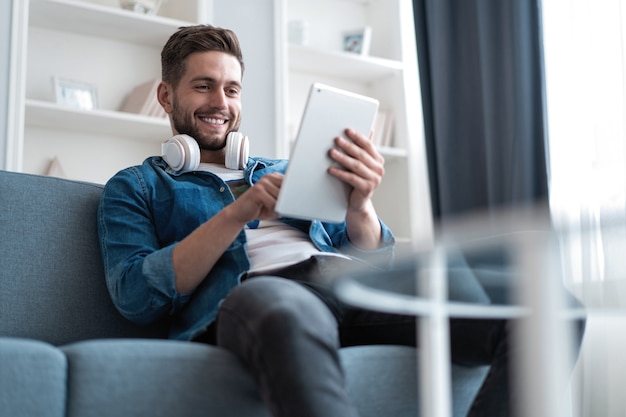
(361, 166)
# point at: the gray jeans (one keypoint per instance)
(289, 327)
(288, 330)
(289, 339)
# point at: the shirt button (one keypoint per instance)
(222, 189)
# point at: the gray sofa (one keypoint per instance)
(65, 351)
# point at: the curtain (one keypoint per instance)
(481, 72)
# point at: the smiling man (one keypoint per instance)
(203, 249)
(213, 74)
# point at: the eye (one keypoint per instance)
(233, 92)
(202, 87)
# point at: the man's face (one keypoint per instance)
(206, 104)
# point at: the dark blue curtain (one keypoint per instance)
(481, 69)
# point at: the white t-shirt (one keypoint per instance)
(272, 244)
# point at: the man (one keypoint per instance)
(206, 251)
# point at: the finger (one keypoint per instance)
(263, 194)
(357, 137)
(364, 186)
(362, 150)
(358, 162)
(348, 165)
(274, 177)
(261, 201)
(363, 142)
(269, 185)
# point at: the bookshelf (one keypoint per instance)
(99, 44)
(388, 72)
(96, 42)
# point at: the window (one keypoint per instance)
(584, 52)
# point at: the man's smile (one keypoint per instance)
(212, 120)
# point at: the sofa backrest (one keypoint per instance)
(52, 285)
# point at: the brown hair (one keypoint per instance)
(190, 39)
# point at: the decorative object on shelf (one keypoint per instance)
(143, 100)
(77, 94)
(298, 33)
(383, 128)
(358, 41)
(55, 169)
(142, 6)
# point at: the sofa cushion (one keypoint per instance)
(165, 378)
(383, 387)
(32, 379)
(52, 285)
(138, 378)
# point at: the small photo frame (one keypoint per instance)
(76, 94)
(357, 41)
(149, 7)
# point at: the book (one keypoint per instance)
(143, 100)
(383, 128)
(55, 169)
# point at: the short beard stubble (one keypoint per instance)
(188, 126)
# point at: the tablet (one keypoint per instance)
(308, 191)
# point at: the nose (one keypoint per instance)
(218, 98)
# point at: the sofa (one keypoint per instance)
(66, 351)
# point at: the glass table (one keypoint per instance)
(508, 265)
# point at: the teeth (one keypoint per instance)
(213, 121)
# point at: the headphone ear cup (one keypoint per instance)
(237, 150)
(181, 153)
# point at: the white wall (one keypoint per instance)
(256, 24)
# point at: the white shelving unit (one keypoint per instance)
(387, 72)
(47, 114)
(98, 43)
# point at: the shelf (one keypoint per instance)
(341, 64)
(101, 21)
(391, 153)
(106, 122)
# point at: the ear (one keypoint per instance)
(165, 93)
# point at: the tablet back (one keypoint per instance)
(308, 190)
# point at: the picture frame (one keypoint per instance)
(149, 7)
(76, 94)
(357, 41)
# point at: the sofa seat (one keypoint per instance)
(141, 377)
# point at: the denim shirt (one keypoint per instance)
(147, 209)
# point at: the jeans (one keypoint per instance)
(288, 332)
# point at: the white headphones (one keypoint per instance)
(182, 152)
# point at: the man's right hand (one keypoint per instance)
(194, 256)
(259, 201)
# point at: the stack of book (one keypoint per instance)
(143, 100)
(383, 129)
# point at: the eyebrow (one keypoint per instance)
(212, 80)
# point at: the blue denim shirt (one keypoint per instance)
(147, 209)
